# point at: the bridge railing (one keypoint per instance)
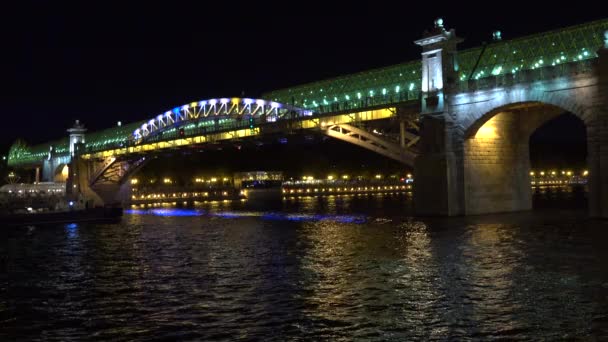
(525, 76)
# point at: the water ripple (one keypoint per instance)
(331, 274)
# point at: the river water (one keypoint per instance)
(334, 268)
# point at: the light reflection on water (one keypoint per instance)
(276, 216)
(72, 230)
(169, 212)
(316, 269)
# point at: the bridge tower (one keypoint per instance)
(77, 138)
(437, 170)
(439, 65)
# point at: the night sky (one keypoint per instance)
(102, 64)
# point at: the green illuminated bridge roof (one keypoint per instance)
(392, 84)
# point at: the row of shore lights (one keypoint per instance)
(167, 180)
(135, 181)
(555, 173)
(345, 177)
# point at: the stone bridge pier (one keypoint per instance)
(597, 141)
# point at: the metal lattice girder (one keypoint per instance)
(571, 44)
(110, 138)
(209, 109)
(362, 138)
(21, 154)
(115, 171)
(393, 84)
(100, 167)
(412, 139)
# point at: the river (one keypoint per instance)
(330, 268)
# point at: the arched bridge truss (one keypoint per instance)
(108, 175)
(258, 111)
(115, 171)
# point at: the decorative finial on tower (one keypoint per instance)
(497, 35)
(78, 125)
(439, 23)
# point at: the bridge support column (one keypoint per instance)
(597, 149)
(438, 186)
(597, 141)
(497, 166)
(438, 170)
(48, 171)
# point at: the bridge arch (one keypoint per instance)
(496, 147)
(61, 173)
(473, 110)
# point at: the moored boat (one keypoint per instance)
(100, 214)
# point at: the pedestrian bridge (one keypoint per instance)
(464, 119)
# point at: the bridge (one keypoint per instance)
(462, 119)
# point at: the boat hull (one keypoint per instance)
(74, 216)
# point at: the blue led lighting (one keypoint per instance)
(270, 216)
(177, 212)
(136, 212)
(228, 214)
(169, 212)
